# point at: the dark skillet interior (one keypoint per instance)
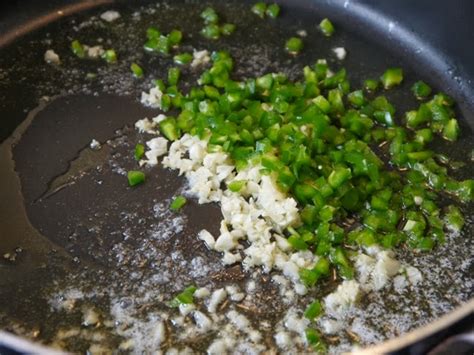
(100, 232)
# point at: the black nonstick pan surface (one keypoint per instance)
(75, 237)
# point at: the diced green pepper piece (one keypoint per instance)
(294, 45)
(265, 82)
(136, 70)
(339, 258)
(297, 243)
(335, 99)
(420, 156)
(451, 130)
(135, 177)
(314, 310)
(421, 90)
(173, 76)
(110, 56)
(322, 267)
(211, 31)
(454, 219)
(163, 44)
(381, 199)
(371, 85)
(185, 297)
(339, 176)
(139, 151)
(259, 9)
(416, 118)
(364, 237)
(424, 135)
(322, 103)
(175, 37)
(183, 58)
(209, 16)
(169, 129)
(152, 32)
(392, 77)
(326, 27)
(314, 339)
(227, 29)
(356, 98)
(78, 49)
(178, 203)
(237, 185)
(463, 190)
(308, 277)
(273, 10)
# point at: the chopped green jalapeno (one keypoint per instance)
(294, 45)
(135, 177)
(152, 33)
(451, 130)
(313, 310)
(78, 49)
(237, 185)
(175, 37)
(227, 29)
(371, 84)
(259, 9)
(326, 27)
(110, 56)
(314, 339)
(170, 129)
(183, 58)
(421, 90)
(178, 203)
(173, 76)
(211, 31)
(392, 77)
(454, 218)
(139, 151)
(209, 15)
(136, 70)
(185, 297)
(273, 10)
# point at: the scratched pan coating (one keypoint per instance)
(69, 220)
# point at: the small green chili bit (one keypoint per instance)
(135, 177)
(371, 85)
(259, 9)
(326, 27)
(237, 185)
(78, 49)
(211, 31)
(183, 58)
(139, 151)
(136, 70)
(178, 203)
(421, 90)
(294, 45)
(313, 310)
(183, 298)
(110, 56)
(314, 339)
(454, 219)
(392, 77)
(273, 10)
(227, 29)
(209, 16)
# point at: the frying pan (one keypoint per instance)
(68, 219)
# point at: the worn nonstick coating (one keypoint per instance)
(85, 221)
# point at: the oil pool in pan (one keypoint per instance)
(88, 262)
